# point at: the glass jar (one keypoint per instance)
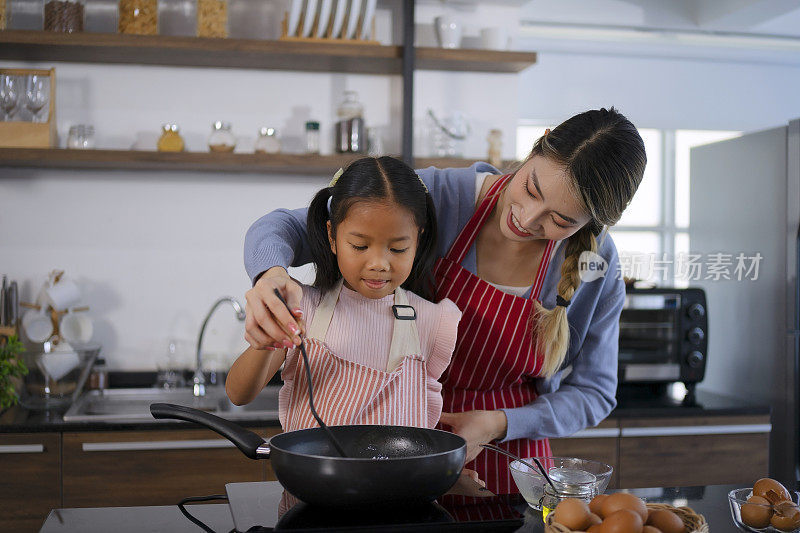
(64, 16)
(267, 142)
(177, 17)
(350, 126)
(98, 379)
(4, 14)
(312, 137)
(569, 483)
(138, 17)
(212, 18)
(101, 16)
(221, 139)
(81, 137)
(170, 140)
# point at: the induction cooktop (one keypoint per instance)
(265, 506)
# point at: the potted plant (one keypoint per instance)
(11, 369)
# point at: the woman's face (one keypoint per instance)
(375, 245)
(538, 204)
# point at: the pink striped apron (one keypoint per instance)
(346, 392)
(495, 358)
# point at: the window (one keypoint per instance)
(653, 230)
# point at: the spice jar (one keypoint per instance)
(64, 16)
(98, 379)
(177, 17)
(138, 17)
(170, 140)
(312, 137)
(212, 18)
(221, 139)
(80, 137)
(495, 139)
(267, 142)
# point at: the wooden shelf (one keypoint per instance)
(25, 45)
(322, 165)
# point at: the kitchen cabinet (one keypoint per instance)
(126, 468)
(693, 450)
(30, 469)
(600, 443)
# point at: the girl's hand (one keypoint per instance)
(269, 324)
(476, 427)
(469, 484)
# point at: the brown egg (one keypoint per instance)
(666, 521)
(623, 500)
(594, 519)
(755, 514)
(764, 485)
(651, 529)
(622, 521)
(597, 528)
(786, 516)
(572, 513)
(596, 504)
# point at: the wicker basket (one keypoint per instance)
(695, 523)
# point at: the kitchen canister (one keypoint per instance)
(65, 16)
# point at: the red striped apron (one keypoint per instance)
(346, 392)
(495, 359)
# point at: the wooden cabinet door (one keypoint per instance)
(667, 452)
(30, 468)
(158, 467)
(598, 444)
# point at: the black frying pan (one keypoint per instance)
(384, 464)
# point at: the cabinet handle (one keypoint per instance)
(594, 433)
(155, 445)
(696, 430)
(22, 448)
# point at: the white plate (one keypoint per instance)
(352, 22)
(311, 14)
(369, 14)
(324, 17)
(294, 17)
(338, 18)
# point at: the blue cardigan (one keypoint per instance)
(583, 392)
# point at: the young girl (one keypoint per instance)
(376, 346)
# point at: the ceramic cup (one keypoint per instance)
(494, 38)
(448, 31)
(37, 325)
(77, 328)
(63, 294)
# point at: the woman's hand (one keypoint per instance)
(269, 324)
(476, 427)
(469, 484)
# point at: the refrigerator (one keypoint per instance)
(745, 200)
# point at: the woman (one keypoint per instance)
(536, 355)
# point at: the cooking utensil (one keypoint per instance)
(523, 461)
(336, 443)
(388, 465)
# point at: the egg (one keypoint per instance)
(596, 504)
(651, 529)
(594, 519)
(597, 528)
(786, 516)
(622, 521)
(764, 485)
(755, 514)
(623, 500)
(572, 513)
(666, 521)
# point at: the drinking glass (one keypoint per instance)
(36, 94)
(9, 95)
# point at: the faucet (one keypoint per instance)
(199, 381)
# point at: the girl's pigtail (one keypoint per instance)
(317, 227)
(420, 281)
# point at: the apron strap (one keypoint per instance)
(405, 335)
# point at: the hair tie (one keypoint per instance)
(329, 204)
(423, 184)
(561, 301)
(336, 177)
(547, 131)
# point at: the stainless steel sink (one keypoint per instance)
(132, 405)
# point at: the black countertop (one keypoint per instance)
(710, 501)
(21, 420)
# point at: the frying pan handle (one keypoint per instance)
(247, 441)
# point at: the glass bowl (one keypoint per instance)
(531, 482)
(738, 497)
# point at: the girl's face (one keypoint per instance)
(538, 204)
(375, 246)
